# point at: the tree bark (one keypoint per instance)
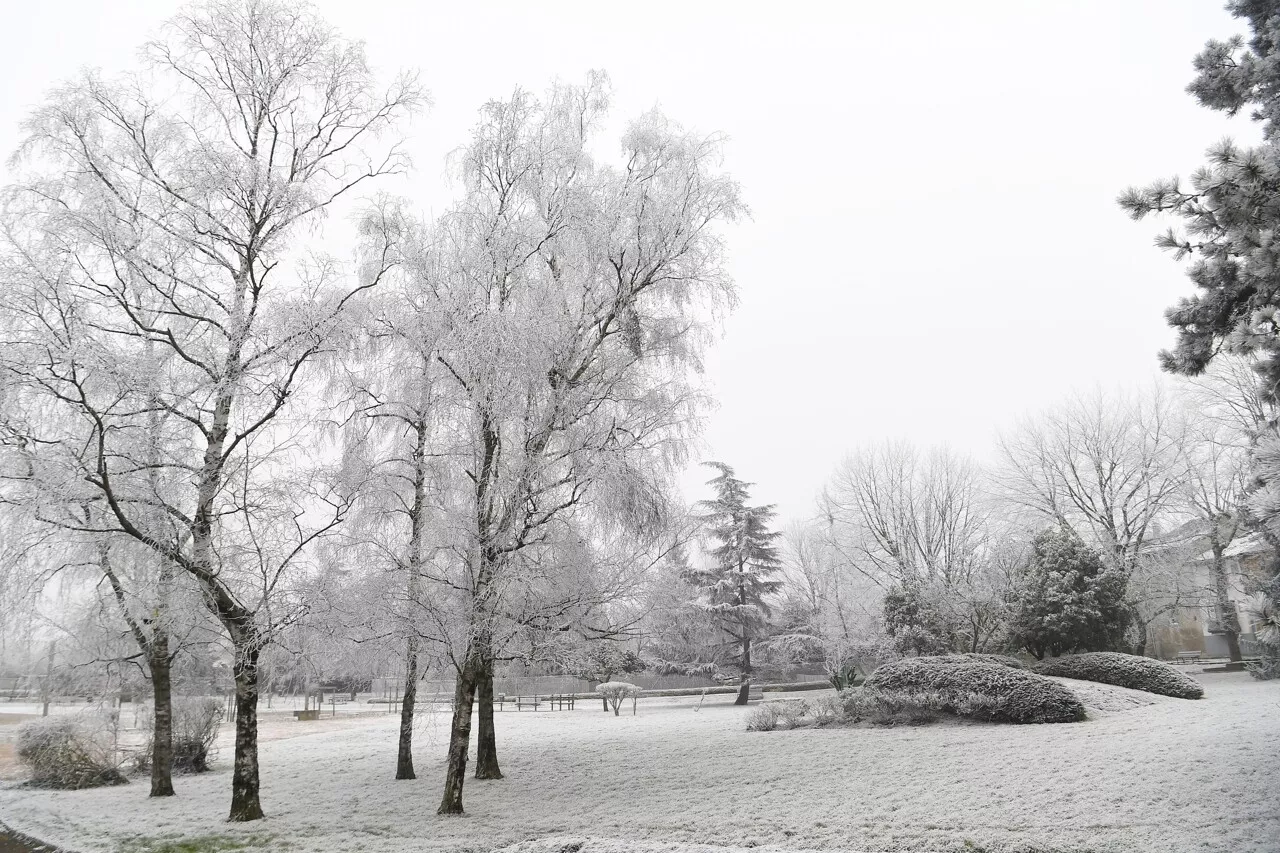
(486, 740)
(46, 689)
(459, 740)
(744, 691)
(162, 717)
(1226, 610)
(404, 758)
(245, 805)
(1140, 646)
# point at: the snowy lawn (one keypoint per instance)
(1144, 773)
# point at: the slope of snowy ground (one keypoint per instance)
(1143, 774)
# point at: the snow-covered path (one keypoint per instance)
(1162, 776)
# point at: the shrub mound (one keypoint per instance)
(67, 753)
(1122, 670)
(979, 690)
(1003, 660)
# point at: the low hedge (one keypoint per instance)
(1136, 673)
(980, 690)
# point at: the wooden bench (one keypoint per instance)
(309, 714)
(560, 701)
(532, 701)
(1186, 657)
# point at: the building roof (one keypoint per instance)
(1254, 543)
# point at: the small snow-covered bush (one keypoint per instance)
(793, 713)
(67, 752)
(196, 720)
(1122, 670)
(889, 707)
(827, 709)
(615, 691)
(763, 718)
(983, 691)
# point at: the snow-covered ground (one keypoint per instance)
(1144, 773)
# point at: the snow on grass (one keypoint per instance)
(1158, 775)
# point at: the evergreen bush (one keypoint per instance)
(979, 690)
(1123, 670)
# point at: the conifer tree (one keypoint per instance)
(735, 587)
(1230, 212)
(1066, 600)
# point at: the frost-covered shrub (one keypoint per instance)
(1122, 670)
(196, 720)
(826, 709)
(763, 718)
(983, 691)
(889, 707)
(68, 752)
(793, 713)
(1003, 660)
(615, 691)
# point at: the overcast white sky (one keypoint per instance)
(935, 248)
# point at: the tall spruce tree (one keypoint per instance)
(735, 587)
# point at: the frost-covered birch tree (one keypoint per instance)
(157, 249)
(578, 296)
(400, 427)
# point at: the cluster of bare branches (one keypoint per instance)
(444, 450)
(1158, 481)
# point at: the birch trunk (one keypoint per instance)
(245, 805)
(486, 741)
(162, 716)
(404, 758)
(459, 739)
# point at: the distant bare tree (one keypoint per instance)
(918, 525)
(906, 518)
(1108, 466)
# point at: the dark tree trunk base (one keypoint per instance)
(404, 756)
(486, 739)
(245, 805)
(162, 727)
(459, 741)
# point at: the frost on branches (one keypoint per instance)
(1229, 214)
(616, 691)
